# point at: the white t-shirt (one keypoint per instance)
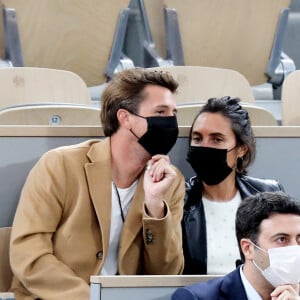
(110, 266)
(222, 247)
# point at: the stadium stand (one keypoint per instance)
(89, 41)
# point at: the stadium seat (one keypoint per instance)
(24, 85)
(197, 84)
(10, 47)
(246, 36)
(290, 100)
(85, 37)
(5, 270)
(258, 115)
(291, 43)
(51, 114)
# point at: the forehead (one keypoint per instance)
(212, 123)
(157, 96)
(280, 223)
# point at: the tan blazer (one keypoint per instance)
(61, 228)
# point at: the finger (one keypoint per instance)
(284, 292)
(158, 157)
(157, 172)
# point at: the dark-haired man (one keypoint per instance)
(268, 233)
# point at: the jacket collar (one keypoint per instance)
(232, 287)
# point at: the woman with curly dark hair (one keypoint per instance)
(221, 147)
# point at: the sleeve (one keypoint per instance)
(183, 294)
(163, 254)
(37, 216)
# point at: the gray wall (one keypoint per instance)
(277, 158)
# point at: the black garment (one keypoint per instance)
(194, 225)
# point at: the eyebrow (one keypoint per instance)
(280, 234)
(211, 134)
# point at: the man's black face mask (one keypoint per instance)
(160, 136)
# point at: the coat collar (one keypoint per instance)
(232, 287)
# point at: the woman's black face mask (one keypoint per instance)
(160, 136)
(210, 164)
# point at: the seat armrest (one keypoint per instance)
(7, 296)
(280, 64)
(152, 58)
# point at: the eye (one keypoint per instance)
(160, 111)
(218, 139)
(281, 240)
(196, 139)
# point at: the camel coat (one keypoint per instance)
(61, 229)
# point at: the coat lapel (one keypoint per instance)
(232, 287)
(133, 221)
(98, 173)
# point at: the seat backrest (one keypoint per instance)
(24, 85)
(230, 34)
(259, 116)
(73, 35)
(50, 114)
(2, 47)
(291, 43)
(5, 270)
(155, 11)
(198, 84)
(290, 99)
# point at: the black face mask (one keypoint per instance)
(210, 164)
(161, 135)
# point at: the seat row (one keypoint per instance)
(40, 96)
(98, 38)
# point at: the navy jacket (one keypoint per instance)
(229, 287)
(194, 225)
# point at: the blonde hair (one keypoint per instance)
(126, 90)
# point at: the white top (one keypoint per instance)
(110, 266)
(222, 247)
(251, 292)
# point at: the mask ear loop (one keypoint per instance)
(261, 249)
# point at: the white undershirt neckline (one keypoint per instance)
(222, 247)
(110, 266)
(251, 292)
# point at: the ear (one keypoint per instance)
(242, 150)
(124, 118)
(247, 249)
